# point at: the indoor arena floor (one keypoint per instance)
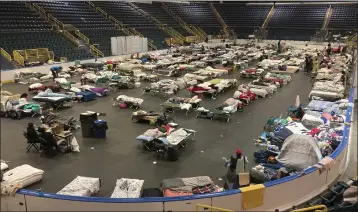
(120, 155)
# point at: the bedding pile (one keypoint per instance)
(127, 188)
(188, 186)
(19, 177)
(81, 186)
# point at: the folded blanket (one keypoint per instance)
(172, 183)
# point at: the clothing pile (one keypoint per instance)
(188, 186)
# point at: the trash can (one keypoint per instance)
(87, 123)
(99, 129)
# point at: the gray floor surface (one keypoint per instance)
(119, 156)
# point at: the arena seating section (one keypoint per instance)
(22, 28)
(133, 19)
(243, 18)
(156, 11)
(197, 14)
(296, 17)
(344, 16)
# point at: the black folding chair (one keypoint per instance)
(32, 143)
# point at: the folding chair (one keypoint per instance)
(31, 143)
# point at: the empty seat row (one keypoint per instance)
(236, 15)
(344, 16)
(197, 14)
(290, 34)
(125, 13)
(305, 16)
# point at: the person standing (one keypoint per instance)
(237, 162)
(279, 46)
(315, 65)
(329, 50)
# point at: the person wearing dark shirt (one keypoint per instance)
(329, 50)
(31, 132)
(49, 138)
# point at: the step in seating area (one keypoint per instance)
(103, 38)
(76, 13)
(156, 11)
(298, 16)
(197, 14)
(344, 16)
(51, 40)
(290, 34)
(15, 16)
(242, 15)
(125, 13)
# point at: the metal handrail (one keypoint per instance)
(5, 54)
(71, 37)
(105, 14)
(268, 16)
(96, 51)
(82, 36)
(18, 58)
(40, 9)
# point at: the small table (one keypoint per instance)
(67, 138)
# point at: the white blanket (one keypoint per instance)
(127, 188)
(81, 186)
(19, 177)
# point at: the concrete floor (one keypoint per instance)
(119, 156)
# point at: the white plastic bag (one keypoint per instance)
(74, 145)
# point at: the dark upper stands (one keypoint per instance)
(51, 40)
(197, 14)
(125, 13)
(21, 28)
(98, 29)
(128, 15)
(298, 16)
(344, 16)
(16, 17)
(290, 34)
(76, 13)
(242, 15)
(156, 11)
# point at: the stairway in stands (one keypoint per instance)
(72, 17)
(22, 28)
(134, 21)
(242, 18)
(198, 16)
(175, 35)
(296, 21)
